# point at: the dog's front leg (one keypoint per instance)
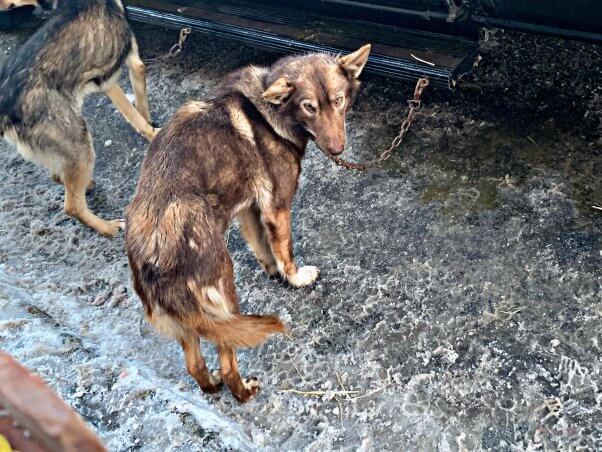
(278, 226)
(256, 236)
(117, 96)
(138, 79)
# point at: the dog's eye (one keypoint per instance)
(309, 107)
(338, 101)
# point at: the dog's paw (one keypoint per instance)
(120, 224)
(252, 384)
(215, 383)
(245, 389)
(112, 227)
(251, 389)
(215, 377)
(270, 268)
(305, 276)
(149, 133)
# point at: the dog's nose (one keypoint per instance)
(336, 147)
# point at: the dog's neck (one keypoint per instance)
(251, 85)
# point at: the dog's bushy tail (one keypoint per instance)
(244, 330)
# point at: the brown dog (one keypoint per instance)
(236, 154)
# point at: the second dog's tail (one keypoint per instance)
(244, 330)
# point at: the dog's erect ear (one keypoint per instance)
(278, 91)
(355, 62)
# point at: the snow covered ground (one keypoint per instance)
(459, 303)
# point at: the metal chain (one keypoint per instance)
(177, 47)
(413, 105)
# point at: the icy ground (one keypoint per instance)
(459, 305)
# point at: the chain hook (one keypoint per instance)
(175, 50)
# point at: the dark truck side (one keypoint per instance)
(434, 38)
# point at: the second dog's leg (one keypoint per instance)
(243, 390)
(56, 178)
(76, 177)
(195, 364)
(117, 96)
(278, 224)
(254, 233)
(138, 79)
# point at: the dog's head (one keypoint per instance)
(315, 92)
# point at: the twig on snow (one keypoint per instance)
(341, 382)
(316, 393)
(374, 391)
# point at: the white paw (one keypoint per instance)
(120, 223)
(304, 276)
(252, 384)
(215, 377)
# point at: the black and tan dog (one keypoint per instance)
(79, 50)
(236, 154)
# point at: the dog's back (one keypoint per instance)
(196, 172)
(84, 42)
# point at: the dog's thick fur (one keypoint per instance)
(79, 50)
(236, 154)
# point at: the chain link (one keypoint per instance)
(177, 47)
(413, 105)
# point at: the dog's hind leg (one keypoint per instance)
(243, 390)
(254, 233)
(117, 96)
(78, 165)
(227, 329)
(76, 177)
(63, 145)
(138, 78)
(195, 364)
(56, 178)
